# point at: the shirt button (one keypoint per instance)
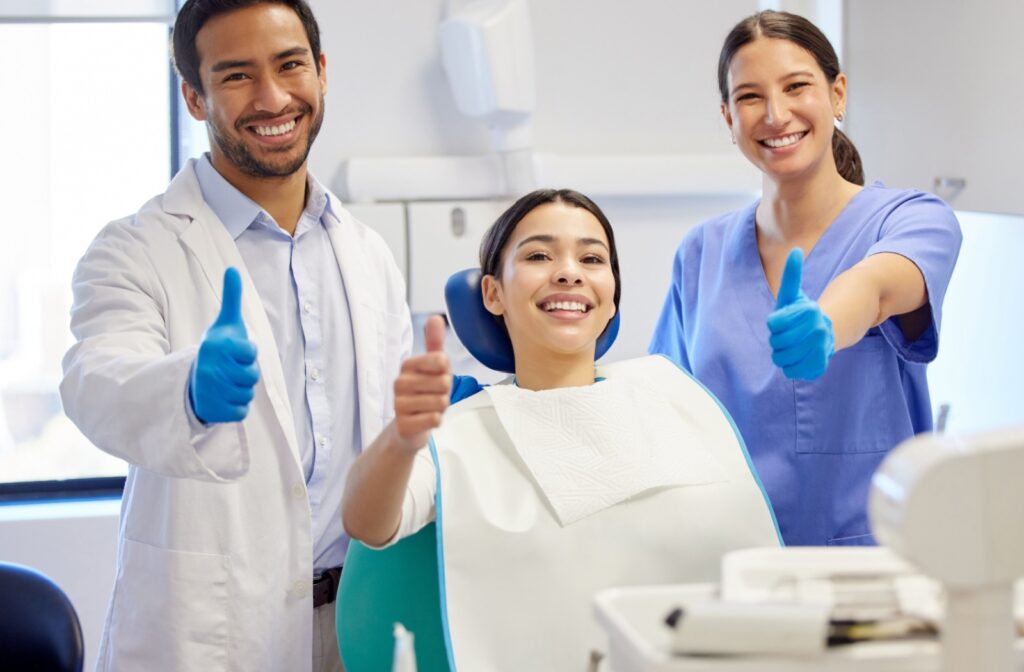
(307, 307)
(298, 491)
(299, 588)
(322, 440)
(315, 374)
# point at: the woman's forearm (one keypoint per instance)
(871, 292)
(371, 507)
(853, 307)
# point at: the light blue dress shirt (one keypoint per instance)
(301, 289)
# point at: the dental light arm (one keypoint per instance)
(487, 55)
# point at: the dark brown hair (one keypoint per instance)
(804, 34)
(195, 13)
(492, 248)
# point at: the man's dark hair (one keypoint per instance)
(195, 13)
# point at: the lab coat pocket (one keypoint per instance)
(170, 611)
(854, 407)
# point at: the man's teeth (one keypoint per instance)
(274, 130)
(783, 141)
(566, 305)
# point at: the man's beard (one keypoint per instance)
(237, 152)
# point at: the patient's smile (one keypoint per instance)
(562, 305)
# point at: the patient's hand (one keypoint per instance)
(422, 389)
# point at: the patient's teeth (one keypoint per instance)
(575, 306)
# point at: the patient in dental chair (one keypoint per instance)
(487, 525)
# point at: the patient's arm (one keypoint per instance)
(372, 504)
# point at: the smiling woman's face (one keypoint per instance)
(781, 107)
(556, 292)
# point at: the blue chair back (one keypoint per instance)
(39, 629)
(485, 339)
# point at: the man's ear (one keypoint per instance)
(194, 102)
(323, 74)
(490, 288)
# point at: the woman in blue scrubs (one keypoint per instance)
(820, 362)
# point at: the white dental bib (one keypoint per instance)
(547, 497)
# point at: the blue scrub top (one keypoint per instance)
(815, 443)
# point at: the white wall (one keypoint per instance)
(612, 77)
(934, 93)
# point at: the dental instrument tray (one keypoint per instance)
(783, 610)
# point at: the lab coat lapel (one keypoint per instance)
(211, 244)
(359, 286)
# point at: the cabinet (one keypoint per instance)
(937, 91)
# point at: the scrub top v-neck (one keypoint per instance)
(815, 443)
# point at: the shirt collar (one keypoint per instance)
(237, 211)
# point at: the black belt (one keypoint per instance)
(325, 589)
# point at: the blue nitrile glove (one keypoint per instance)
(224, 374)
(802, 338)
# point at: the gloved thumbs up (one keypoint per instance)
(224, 373)
(231, 302)
(802, 338)
(792, 276)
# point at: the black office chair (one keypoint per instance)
(39, 629)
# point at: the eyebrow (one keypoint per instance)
(751, 85)
(547, 238)
(221, 66)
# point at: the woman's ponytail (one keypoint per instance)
(847, 158)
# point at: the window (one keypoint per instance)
(86, 109)
(979, 368)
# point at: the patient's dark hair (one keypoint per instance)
(195, 13)
(804, 34)
(492, 248)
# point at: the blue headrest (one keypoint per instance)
(480, 332)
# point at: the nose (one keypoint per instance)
(569, 273)
(776, 111)
(271, 96)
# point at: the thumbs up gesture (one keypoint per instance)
(225, 372)
(802, 338)
(422, 389)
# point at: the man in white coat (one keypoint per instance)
(238, 397)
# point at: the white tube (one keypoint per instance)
(404, 659)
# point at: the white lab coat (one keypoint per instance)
(215, 558)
